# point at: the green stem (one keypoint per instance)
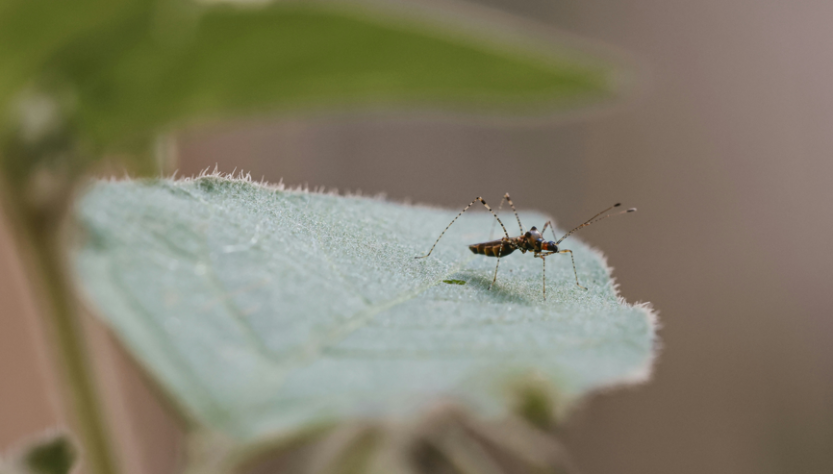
(38, 238)
(40, 166)
(70, 355)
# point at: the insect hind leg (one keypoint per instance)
(552, 228)
(505, 199)
(460, 214)
(499, 254)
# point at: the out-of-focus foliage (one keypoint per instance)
(53, 453)
(117, 72)
(446, 440)
(33, 33)
(264, 311)
(227, 60)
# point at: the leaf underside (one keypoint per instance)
(262, 310)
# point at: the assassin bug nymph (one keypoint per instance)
(531, 241)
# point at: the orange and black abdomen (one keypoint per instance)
(493, 248)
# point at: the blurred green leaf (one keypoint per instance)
(52, 453)
(112, 75)
(55, 456)
(263, 311)
(32, 32)
(151, 64)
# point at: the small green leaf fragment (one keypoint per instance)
(455, 282)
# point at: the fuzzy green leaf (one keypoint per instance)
(262, 310)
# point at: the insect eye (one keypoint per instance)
(527, 234)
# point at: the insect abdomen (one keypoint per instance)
(492, 249)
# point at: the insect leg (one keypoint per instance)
(492, 230)
(499, 253)
(544, 274)
(552, 228)
(460, 214)
(574, 265)
(506, 198)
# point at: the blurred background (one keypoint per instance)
(727, 151)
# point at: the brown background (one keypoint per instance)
(728, 154)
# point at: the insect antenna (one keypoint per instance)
(596, 218)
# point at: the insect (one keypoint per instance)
(530, 241)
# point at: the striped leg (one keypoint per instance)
(574, 265)
(506, 198)
(544, 273)
(460, 214)
(499, 253)
(543, 257)
(552, 228)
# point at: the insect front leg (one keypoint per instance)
(574, 266)
(505, 233)
(543, 257)
(544, 273)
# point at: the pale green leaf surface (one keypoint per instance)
(262, 310)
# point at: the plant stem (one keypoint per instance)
(38, 238)
(69, 353)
